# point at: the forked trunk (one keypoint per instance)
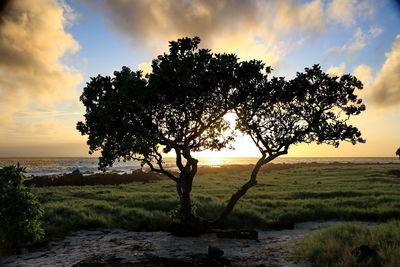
(184, 188)
(192, 221)
(238, 194)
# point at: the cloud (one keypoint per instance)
(347, 11)
(359, 40)
(337, 71)
(44, 131)
(145, 67)
(363, 73)
(248, 28)
(33, 42)
(308, 17)
(375, 31)
(48, 137)
(385, 90)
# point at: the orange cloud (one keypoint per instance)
(337, 71)
(383, 89)
(386, 87)
(251, 29)
(32, 43)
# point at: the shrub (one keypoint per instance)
(20, 211)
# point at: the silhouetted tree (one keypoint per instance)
(178, 107)
(398, 152)
(312, 107)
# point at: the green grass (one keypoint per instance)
(282, 197)
(335, 245)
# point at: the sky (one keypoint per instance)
(49, 49)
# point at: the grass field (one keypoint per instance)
(285, 194)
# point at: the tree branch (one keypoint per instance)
(242, 191)
(158, 158)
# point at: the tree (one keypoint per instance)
(312, 107)
(398, 152)
(179, 107)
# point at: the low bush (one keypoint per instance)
(20, 211)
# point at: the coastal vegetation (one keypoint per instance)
(286, 194)
(20, 211)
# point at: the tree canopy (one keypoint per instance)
(180, 107)
(312, 107)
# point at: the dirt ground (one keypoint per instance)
(116, 247)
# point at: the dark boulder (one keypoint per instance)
(183, 229)
(214, 252)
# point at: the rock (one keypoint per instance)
(99, 261)
(40, 245)
(204, 260)
(283, 225)
(152, 260)
(143, 246)
(239, 234)
(22, 251)
(226, 234)
(76, 172)
(215, 252)
(247, 234)
(183, 229)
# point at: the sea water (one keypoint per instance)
(49, 166)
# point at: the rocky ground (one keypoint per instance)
(116, 247)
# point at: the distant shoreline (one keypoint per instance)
(57, 166)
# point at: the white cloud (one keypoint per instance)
(359, 40)
(375, 31)
(342, 11)
(347, 12)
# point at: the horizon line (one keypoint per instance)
(170, 157)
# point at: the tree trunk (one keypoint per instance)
(238, 194)
(184, 188)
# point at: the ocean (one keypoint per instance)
(51, 166)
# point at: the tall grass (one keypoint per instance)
(337, 245)
(283, 196)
